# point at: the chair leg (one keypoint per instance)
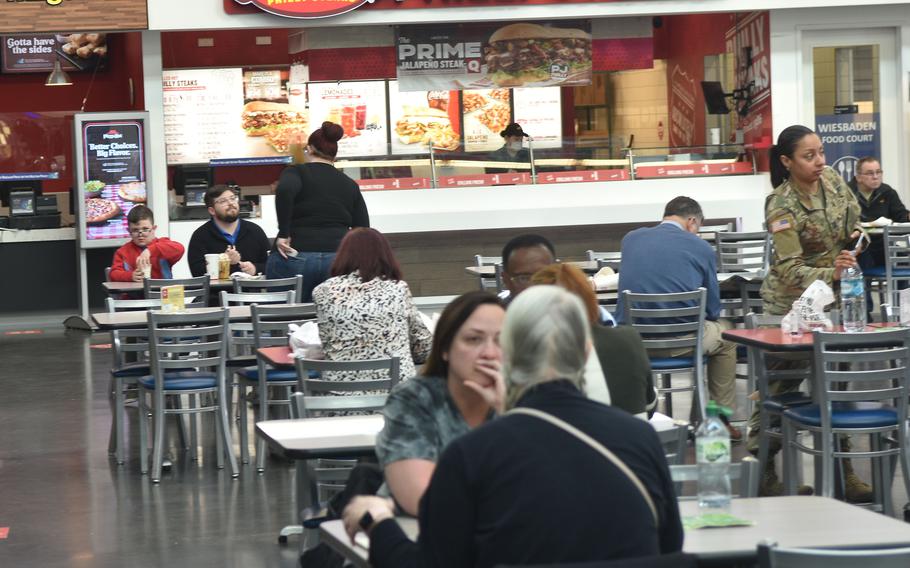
(143, 433)
(788, 456)
(902, 441)
(219, 444)
(158, 441)
(176, 402)
(194, 402)
(226, 430)
(119, 410)
(264, 399)
(828, 445)
(764, 439)
(244, 424)
(668, 396)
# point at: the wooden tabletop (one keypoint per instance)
(773, 339)
(310, 438)
(278, 357)
(137, 286)
(815, 522)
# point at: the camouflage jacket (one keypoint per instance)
(806, 239)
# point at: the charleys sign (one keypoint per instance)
(306, 8)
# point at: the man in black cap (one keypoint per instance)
(512, 149)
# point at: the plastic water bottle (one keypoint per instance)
(712, 454)
(852, 299)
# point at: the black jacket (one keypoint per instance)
(251, 243)
(884, 202)
(520, 491)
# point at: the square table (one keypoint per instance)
(808, 522)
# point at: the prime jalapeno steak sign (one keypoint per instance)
(306, 8)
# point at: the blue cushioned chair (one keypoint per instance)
(269, 329)
(896, 269)
(672, 322)
(772, 556)
(843, 364)
(188, 352)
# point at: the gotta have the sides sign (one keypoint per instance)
(306, 8)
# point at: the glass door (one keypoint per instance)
(851, 98)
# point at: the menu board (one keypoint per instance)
(37, 53)
(486, 114)
(419, 117)
(539, 112)
(112, 174)
(359, 107)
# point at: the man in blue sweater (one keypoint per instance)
(671, 257)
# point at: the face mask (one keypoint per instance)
(515, 146)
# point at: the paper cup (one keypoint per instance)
(212, 265)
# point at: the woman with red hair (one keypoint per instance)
(365, 309)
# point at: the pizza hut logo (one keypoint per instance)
(112, 134)
(306, 8)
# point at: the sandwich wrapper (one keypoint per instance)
(304, 340)
(880, 222)
(810, 309)
(244, 276)
(606, 279)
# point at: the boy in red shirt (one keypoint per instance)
(144, 250)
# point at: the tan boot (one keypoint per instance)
(771, 486)
(855, 489)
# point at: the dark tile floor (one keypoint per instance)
(66, 503)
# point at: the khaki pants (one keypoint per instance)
(721, 362)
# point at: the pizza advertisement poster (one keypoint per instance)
(359, 107)
(486, 113)
(112, 174)
(539, 112)
(419, 117)
(495, 55)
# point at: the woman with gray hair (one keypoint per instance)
(557, 478)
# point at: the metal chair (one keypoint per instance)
(741, 252)
(268, 328)
(763, 368)
(611, 259)
(196, 289)
(131, 360)
(294, 283)
(672, 321)
(494, 283)
(199, 341)
(318, 393)
(674, 441)
(745, 472)
(772, 556)
(896, 241)
(880, 412)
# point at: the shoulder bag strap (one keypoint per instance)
(613, 458)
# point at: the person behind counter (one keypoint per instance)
(244, 242)
(510, 492)
(145, 254)
(316, 206)
(512, 148)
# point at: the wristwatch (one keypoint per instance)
(366, 522)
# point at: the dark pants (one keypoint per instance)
(875, 256)
(314, 266)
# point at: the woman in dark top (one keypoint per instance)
(521, 491)
(316, 206)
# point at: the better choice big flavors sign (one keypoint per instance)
(306, 8)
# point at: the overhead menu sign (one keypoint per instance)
(539, 112)
(479, 56)
(359, 107)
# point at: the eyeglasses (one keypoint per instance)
(140, 232)
(521, 278)
(872, 174)
(226, 200)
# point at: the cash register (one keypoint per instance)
(192, 181)
(28, 208)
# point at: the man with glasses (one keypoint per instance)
(671, 258)
(145, 256)
(244, 242)
(876, 199)
(521, 258)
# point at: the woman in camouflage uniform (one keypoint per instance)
(813, 218)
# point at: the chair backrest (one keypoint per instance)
(195, 289)
(897, 260)
(318, 397)
(883, 376)
(132, 305)
(667, 321)
(130, 345)
(270, 322)
(494, 283)
(199, 340)
(294, 283)
(772, 556)
(739, 252)
(674, 442)
(249, 298)
(611, 259)
(745, 473)
(107, 274)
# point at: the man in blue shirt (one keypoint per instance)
(244, 242)
(669, 258)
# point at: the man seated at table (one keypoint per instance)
(523, 256)
(671, 258)
(244, 242)
(145, 255)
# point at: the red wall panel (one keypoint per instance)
(232, 48)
